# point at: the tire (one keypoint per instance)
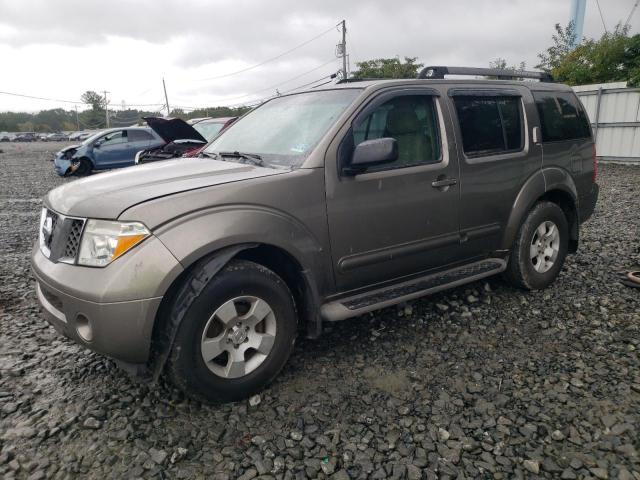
(209, 325)
(84, 168)
(538, 254)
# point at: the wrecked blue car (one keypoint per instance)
(113, 148)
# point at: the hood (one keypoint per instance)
(172, 129)
(107, 195)
(70, 147)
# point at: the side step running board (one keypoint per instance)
(391, 295)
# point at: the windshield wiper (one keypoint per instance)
(213, 155)
(251, 157)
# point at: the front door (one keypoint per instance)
(110, 150)
(401, 218)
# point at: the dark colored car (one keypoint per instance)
(113, 148)
(25, 137)
(316, 207)
(184, 139)
(57, 137)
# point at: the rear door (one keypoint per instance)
(138, 139)
(496, 159)
(392, 220)
(566, 136)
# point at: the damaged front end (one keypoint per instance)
(171, 150)
(64, 159)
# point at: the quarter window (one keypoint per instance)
(561, 117)
(490, 125)
(412, 120)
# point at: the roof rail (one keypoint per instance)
(499, 73)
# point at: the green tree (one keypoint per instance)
(388, 68)
(613, 57)
(93, 99)
(562, 45)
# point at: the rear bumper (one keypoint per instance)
(588, 203)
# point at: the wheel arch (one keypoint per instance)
(551, 184)
(299, 281)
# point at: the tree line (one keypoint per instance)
(94, 117)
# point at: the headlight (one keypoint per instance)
(103, 241)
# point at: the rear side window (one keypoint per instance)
(490, 125)
(139, 136)
(561, 116)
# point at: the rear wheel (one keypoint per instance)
(236, 335)
(540, 248)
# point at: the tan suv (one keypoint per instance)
(316, 207)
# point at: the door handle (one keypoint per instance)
(444, 182)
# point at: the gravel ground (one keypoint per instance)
(480, 382)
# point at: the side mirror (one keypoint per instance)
(97, 144)
(370, 153)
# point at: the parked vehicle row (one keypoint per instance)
(164, 138)
(315, 207)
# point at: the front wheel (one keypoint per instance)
(540, 248)
(236, 335)
(82, 167)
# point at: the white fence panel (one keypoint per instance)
(614, 111)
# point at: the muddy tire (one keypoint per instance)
(237, 332)
(538, 254)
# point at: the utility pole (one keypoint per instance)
(344, 49)
(77, 119)
(166, 98)
(578, 8)
(106, 108)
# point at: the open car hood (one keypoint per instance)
(172, 129)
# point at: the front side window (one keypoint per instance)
(113, 138)
(561, 116)
(490, 125)
(284, 130)
(413, 121)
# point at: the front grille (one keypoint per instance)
(73, 240)
(60, 236)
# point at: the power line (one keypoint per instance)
(40, 98)
(601, 16)
(275, 85)
(633, 9)
(270, 59)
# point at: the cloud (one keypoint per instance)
(128, 46)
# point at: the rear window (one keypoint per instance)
(561, 116)
(490, 125)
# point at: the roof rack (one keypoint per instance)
(499, 73)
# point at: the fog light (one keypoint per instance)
(83, 327)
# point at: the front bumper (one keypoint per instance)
(61, 165)
(109, 310)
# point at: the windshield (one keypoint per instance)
(208, 129)
(283, 131)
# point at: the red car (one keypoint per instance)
(183, 139)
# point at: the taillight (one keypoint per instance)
(595, 164)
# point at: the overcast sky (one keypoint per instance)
(59, 49)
